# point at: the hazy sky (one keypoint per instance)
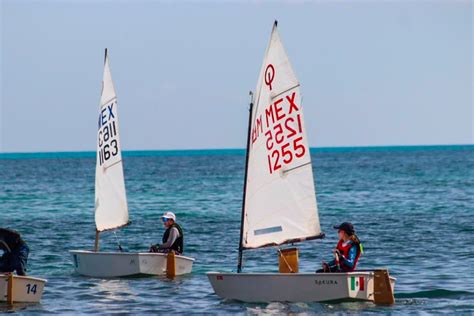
(372, 72)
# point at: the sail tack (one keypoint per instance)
(280, 204)
(111, 209)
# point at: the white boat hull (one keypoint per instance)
(25, 289)
(294, 287)
(120, 264)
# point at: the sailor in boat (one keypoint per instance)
(347, 251)
(173, 236)
(15, 252)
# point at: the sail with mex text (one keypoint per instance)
(280, 204)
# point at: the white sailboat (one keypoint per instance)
(111, 209)
(279, 200)
(20, 289)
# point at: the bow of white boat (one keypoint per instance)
(21, 289)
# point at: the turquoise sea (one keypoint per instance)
(413, 209)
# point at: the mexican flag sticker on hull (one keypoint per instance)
(357, 283)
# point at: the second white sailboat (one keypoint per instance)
(111, 208)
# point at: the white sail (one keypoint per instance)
(280, 203)
(111, 210)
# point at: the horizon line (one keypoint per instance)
(133, 152)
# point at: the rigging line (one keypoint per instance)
(105, 168)
(118, 242)
(275, 179)
(297, 167)
(284, 259)
(108, 101)
(289, 89)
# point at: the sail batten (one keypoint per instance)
(280, 202)
(111, 209)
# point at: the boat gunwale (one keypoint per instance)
(364, 272)
(151, 254)
(25, 277)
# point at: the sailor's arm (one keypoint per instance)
(4, 246)
(174, 234)
(350, 260)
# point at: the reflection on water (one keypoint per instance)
(113, 291)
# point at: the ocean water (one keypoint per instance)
(413, 209)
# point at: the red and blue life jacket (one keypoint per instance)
(344, 250)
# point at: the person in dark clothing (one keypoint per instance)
(173, 239)
(347, 251)
(15, 252)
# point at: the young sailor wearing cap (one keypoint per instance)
(173, 239)
(347, 251)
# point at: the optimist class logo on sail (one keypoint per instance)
(280, 124)
(108, 144)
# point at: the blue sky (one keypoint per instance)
(372, 73)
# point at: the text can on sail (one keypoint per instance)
(111, 208)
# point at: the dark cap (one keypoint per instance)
(347, 227)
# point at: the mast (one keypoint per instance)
(96, 243)
(239, 264)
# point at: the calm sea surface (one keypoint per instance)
(413, 209)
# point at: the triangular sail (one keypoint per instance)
(111, 210)
(280, 203)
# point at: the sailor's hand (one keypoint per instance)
(325, 266)
(153, 248)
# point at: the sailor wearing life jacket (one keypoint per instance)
(173, 236)
(15, 252)
(347, 251)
